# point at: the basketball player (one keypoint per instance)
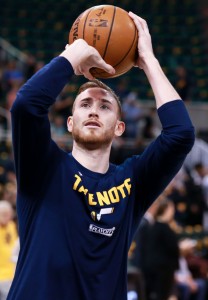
(77, 212)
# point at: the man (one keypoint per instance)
(140, 240)
(8, 238)
(78, 213)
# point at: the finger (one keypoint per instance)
(134, 16)
(101, 64)
(86, 73)
(77, 72)
(109, 69)
(139, 22)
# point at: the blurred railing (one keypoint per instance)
(198, 112)
(7, 51)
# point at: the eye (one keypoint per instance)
(85, 104)
(104, 107)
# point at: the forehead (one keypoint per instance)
(96, 93)
(5, 210)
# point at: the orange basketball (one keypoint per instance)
(112, 32)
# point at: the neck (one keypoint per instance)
(96, 160)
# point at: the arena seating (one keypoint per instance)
(41, 28)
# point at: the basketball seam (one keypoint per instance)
(128, 50)
(114, 12)
(100, 73)
(85, 24)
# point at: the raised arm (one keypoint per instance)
(162, 88)
(32, 144)
(34, 151)
(163, 158)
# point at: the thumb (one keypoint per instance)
(109, 69)
(101, 64)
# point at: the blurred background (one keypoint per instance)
(31, 34)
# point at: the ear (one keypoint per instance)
(70, 123)
(120, 128)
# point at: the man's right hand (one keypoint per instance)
(84, 57)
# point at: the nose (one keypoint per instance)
(93, 112)
(93, 115)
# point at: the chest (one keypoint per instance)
(99, 204)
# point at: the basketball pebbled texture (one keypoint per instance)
(112, 32)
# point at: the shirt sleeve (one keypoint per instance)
(163, 158)
(33, 148)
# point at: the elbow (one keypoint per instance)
(192, 136)
(181, 140)
(18, 104)
(186, 139)
(23, 103)
(23, 99)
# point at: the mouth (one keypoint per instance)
(92, 124)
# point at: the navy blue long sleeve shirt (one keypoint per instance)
(76, 225)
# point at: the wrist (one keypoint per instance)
(72, 53)
(149, 63)
(67, 54)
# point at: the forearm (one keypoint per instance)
(162, 88)
(30, 125)
(164, 157)
(41, 90)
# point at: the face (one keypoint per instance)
(95, 120)
(5, 216)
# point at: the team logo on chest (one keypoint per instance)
(103, 211)
(103, 199)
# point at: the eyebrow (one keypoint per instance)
(102, 99)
